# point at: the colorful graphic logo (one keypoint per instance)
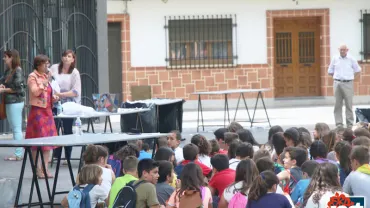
(341, 201)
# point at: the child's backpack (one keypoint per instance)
(239, 200)
(116, 165)
(194, 199)
(126, 197)
(287, 188)
(78, 198)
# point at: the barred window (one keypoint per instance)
(201, 41)
(365, 34)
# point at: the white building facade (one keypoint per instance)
(182, 46)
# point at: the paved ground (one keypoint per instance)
(286, 117)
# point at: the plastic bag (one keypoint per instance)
(8, 191)
(71, 108)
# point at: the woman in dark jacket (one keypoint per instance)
(12, 87)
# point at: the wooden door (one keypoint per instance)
(297, 57)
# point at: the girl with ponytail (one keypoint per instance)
(262, 192)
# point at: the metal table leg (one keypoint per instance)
(264, 106)
(246, 108)
(90, 123)
(237, 106)
(226, 110)
(59, 127)
(39, 149)
(21, 176)
(70, 168)
(34, 178)
(200, 110)
(56, 175)
(107, 120)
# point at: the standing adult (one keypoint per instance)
(343, 68)
(68, 78)
(12, 86)
(41, 120)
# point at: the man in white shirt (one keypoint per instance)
(343, 68)
(174, 141)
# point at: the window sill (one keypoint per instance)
(206, 66)
(366, 61)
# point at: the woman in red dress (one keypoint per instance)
(40, 119)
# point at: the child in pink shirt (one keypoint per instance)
(192, 180)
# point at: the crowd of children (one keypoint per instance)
(232, 170)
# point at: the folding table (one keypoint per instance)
(107, 115)
(58, 141)
(226, 104)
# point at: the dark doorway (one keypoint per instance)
(115, 59)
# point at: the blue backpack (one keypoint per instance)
(116, 165)
(78, 198)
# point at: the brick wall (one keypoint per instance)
(169, 83)
(181, 83)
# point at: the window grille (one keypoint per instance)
(201, 41)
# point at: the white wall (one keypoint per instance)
(148, 44)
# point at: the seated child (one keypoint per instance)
(243, 151)
(265, 163)
(220, 137)
(117, 158)
(130, 174)
(294, 157)
(163, 187)
(215, 148)
(358, 181)
(192, 187)
(98, 155)
(89, 177)
(262, 193)
(174, 141)
(146, 195)
(222, 175)
(308, 168)
(191, 152)
(145, 152)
